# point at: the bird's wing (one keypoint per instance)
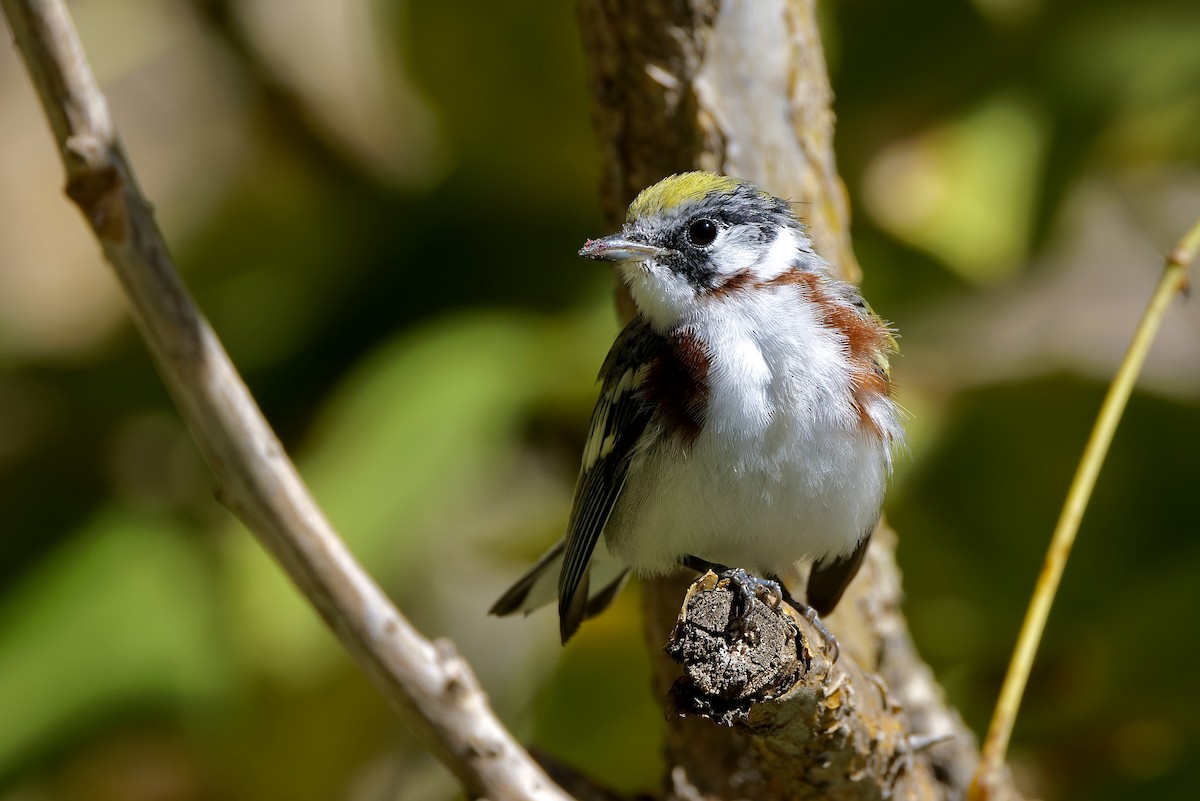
(828, 580)
(618, 422)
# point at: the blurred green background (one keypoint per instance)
(378, 204)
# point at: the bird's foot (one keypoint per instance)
(746, 588)
(831, 647)
(771, 591)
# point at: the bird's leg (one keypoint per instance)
(832, 649)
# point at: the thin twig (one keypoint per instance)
(1172, 283)
(432, 688)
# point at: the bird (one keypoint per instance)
(746, 419)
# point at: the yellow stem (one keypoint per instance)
(1173, 281)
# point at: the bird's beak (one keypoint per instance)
(617, 248)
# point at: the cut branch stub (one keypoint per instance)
(818, 729)
(731, 664)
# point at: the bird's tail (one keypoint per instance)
(539, 586)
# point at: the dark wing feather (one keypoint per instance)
(618, 422)
(827, 582)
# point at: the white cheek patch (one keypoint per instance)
(735, 251)
(739, 250)
(780, 256)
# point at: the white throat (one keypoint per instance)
(663, 296)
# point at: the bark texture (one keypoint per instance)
(740, 87)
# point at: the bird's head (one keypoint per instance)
(696, 238)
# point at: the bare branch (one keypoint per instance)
(432, 688)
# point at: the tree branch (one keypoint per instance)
(432, 688)
(740, 86)
(871, 725)
(812, 723)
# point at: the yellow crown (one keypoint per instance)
(677, 190)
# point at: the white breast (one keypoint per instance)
(781, 470)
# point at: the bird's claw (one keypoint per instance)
(831, 647)
(747, 587)
(830, 644)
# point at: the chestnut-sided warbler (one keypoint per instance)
(745, 417)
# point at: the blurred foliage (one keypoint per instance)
(378, 206)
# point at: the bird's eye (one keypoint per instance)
(702, 232)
